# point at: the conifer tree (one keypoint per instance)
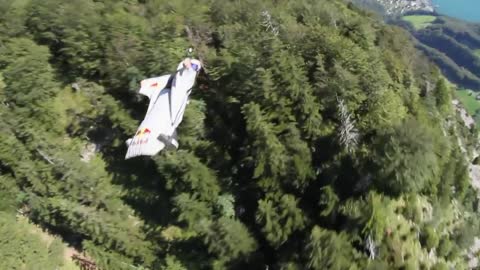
(443, 96)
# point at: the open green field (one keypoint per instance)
(469, 101)
(419, 21)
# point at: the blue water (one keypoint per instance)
(468, 10)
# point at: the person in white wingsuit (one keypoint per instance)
(168, 96)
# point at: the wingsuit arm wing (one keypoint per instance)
(150, 86)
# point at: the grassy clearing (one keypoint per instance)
(477, 52)
(49, 240)
(419, 21)
(468, 100)
(24, 246)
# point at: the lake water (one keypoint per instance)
(463, 9)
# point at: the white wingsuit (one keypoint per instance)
(168, 96)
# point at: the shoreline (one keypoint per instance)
(465, 11)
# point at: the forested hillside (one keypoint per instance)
(317, 138)
(452, 44)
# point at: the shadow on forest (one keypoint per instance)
(144, 188)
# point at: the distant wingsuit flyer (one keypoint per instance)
(168, 96)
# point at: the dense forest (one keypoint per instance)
(317, 137)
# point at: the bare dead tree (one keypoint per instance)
(371, 247)
(348, 135)
(268, 23)
(45, 157)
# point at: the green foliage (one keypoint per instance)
(228, 239)
(444, 247)
(13, 17)
(191, 210)
(22, 58)
(261, 178)
(269, 152)
(328, 201)
(430, 238)
(279, 218)
(440, 266)
(328, 250)
(23, 247)
(443, 96)
(172, 264)
(406, 159)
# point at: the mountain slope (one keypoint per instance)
(453, 45)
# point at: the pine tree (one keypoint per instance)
(279, 218)
(443, 96)
(407, 162)
(328, 250)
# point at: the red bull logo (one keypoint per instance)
(153, 84)
(142, 132)
(140, 136)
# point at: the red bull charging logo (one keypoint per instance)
(140, 134)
